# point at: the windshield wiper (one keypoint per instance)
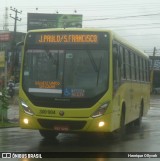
(57, 66)
(96, 69)
(92, 61)
(99, 70)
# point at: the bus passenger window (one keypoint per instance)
(127, 65)
(122, 52)
(116, 66)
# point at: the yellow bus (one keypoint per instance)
(81, 80)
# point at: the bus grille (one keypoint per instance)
(72, 125)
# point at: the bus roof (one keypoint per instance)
(128, 44)
(114, 35)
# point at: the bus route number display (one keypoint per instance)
(65, 38)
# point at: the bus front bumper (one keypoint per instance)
(99, 124)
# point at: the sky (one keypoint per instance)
(137, 21)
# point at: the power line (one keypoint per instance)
(95, 7)
(132, 25)
(121, 17)
(142, 35)
(116, 5)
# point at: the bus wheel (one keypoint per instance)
(122, 130)
(48, 134)
(138, 122)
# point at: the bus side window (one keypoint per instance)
(123, 62)
(133, 67)
(127, 64)
(137, 68)
(140, 68)
(116, 66)
(147, 70)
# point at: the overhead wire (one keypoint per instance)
(123, 17)
(118, 7)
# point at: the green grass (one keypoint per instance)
(8, 124)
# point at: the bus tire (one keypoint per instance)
(47, 134)
(122, 130)
(138, 122)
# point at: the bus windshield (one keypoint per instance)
(65, 73)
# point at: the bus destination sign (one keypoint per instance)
(66, 38)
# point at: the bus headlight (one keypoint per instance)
(102, 109)
(25, 121)
(101, 124)
(26, 108)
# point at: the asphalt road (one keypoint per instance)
(146, 139)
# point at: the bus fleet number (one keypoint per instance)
(45, 112)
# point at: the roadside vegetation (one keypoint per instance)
(4, 106)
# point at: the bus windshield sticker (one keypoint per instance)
(47, 84)
(69, 55)
(26, 73)
(68, 92)
(78, 92)
(42, 90)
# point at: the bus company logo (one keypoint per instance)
(61, 113)
(6, 155)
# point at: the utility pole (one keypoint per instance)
(15, 21)
(16, 18)
(153, 60)
(152, 68)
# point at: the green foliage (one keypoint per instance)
(4, 105)
(4, 99)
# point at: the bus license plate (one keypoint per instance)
(61, 128)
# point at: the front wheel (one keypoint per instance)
(120, 133)
(122, 130)
(47, 134)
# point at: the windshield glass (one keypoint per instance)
(65, 73)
